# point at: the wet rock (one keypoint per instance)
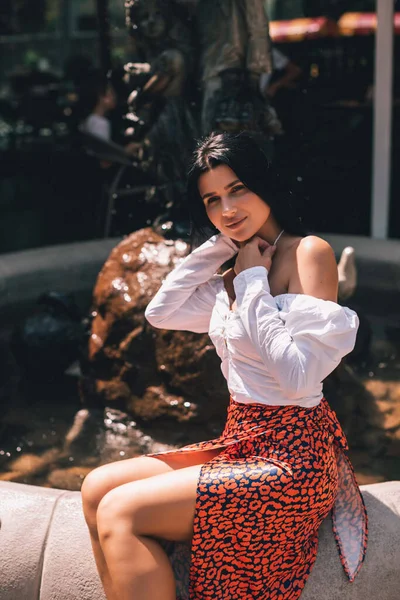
(46, 342)
(26, 464)
(189, 363)
(385, 418)
(41, 438)
(152, 374)
(9, 376)
(120, 437)
(76, 431)
(346, 394)
(368, 410)
(157, 403)
(68, 479)
(104, 436)
(29, 465)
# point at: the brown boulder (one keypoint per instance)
(151, 373)
(68, 479)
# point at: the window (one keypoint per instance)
(83, 15)
(117, 16)
(20, 17)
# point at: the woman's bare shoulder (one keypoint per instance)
(309, 243)
(313, 246)
(314, 268)
(310, 248)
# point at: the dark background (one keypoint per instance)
(52, 192)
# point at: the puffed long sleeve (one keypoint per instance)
(301, 343)
(186, 298)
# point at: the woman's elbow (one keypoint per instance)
(151, 316)
(160, 320)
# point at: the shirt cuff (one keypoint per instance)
(229, 241)
(248, 279)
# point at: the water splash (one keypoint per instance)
(181, 246)
(127, 257)
(96, 340)
(155, 253)
(120, 285)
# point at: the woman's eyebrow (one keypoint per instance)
(225, 188)
(231, 184)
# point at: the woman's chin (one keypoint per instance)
(242, 237)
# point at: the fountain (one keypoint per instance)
(141, 393)
(51, 516)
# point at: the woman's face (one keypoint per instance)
(228, 201)
(110, 98)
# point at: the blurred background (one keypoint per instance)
(100, 105)
(323, 88)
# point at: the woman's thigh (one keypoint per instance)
(107, 477)
(161, 506)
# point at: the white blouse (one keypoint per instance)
(274, 350)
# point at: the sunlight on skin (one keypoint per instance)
(227, 200)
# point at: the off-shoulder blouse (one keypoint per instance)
(273, 350)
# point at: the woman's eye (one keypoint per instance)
(211, 199)
(237, 188)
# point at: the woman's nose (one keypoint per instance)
(228, 207)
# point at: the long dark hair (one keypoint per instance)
(246, 154)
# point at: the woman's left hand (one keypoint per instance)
(254, 253)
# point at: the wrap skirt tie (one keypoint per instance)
(260, 502)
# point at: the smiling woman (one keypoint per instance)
(235, 210)
(234, 189)
(232, 207)
(250, 179)
(279, 467)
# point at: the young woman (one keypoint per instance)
(249, 503)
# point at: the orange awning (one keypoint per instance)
(297, 30)
(362, 24)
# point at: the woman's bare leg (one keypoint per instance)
(102, 480)
(130, 516)
(97, 484)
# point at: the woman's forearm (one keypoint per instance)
(185, 300)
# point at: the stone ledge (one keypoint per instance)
(377, 262)
(74, 267)
(45, 550)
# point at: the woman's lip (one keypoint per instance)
(237, 224)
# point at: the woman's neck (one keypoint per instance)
(270, 231)
(99, 110)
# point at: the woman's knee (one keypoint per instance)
(159, 506)
(95, 486)
(102, 480)
(112, 514)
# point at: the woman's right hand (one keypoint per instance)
(253, 253)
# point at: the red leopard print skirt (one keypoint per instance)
(260, 502)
